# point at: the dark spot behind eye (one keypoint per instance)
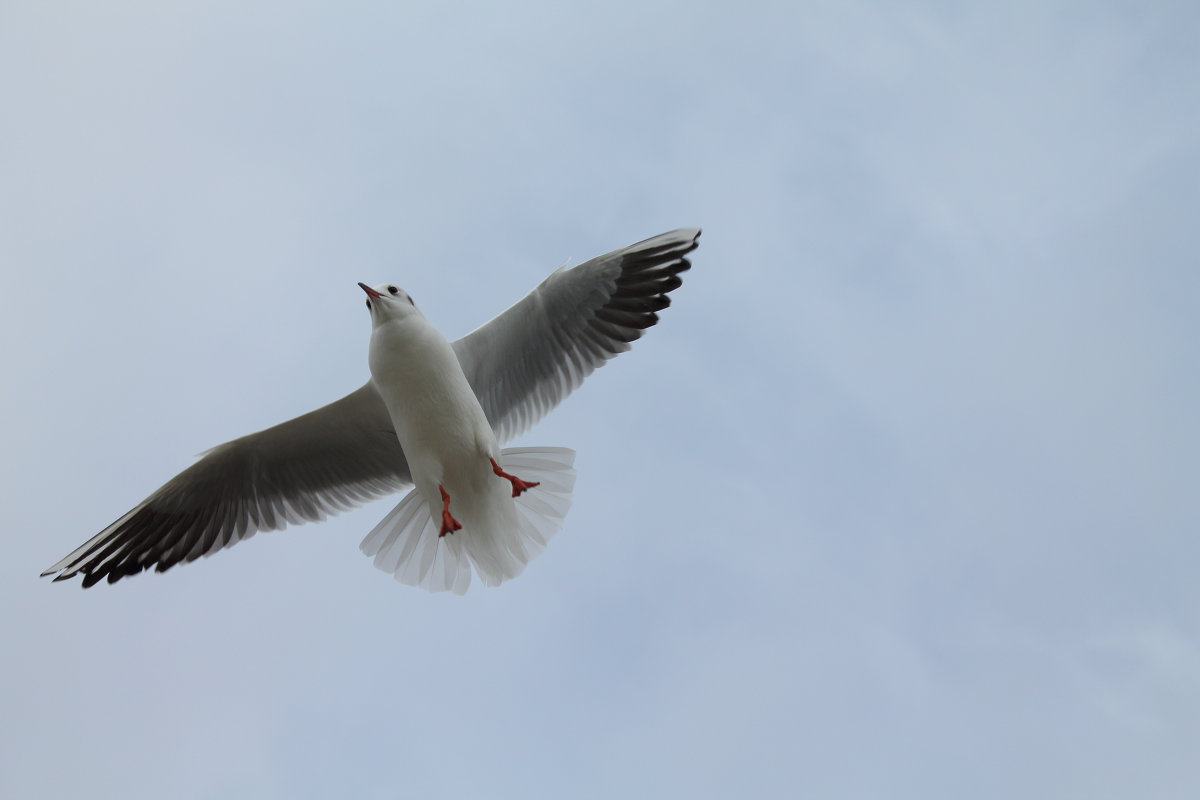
(411, 303)
(368, 303)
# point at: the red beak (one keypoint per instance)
(370, 292)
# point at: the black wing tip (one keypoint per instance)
(66, 575)
(110, 573)
(692, 234)
(91, 574)
(59, 573)
(688, 236)
(679, 241)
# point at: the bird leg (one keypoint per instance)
(517, 484)
(449, 523)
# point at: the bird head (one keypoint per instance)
(387, 301)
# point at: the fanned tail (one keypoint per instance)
(497, 544)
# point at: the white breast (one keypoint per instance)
(437, 417)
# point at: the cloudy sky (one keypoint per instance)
(899, 500)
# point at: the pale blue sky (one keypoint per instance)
(898, 501)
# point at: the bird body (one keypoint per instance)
(432, 416)
(451, 449)
(437, 418)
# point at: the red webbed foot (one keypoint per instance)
(518, 485)
(449, 523)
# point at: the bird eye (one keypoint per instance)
(393, 290)
(368, 303)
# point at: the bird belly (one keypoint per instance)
(441, 426)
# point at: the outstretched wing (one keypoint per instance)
(525, 361)
(323, 462)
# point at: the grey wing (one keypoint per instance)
(323, 462)
(525, 361)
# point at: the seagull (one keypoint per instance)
(431, 417)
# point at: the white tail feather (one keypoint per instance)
(497, 543)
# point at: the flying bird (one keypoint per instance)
(432, 417)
